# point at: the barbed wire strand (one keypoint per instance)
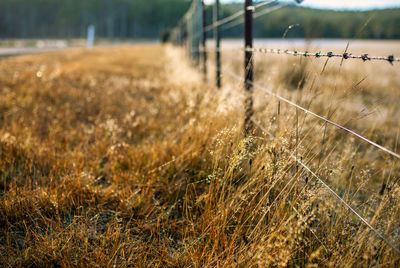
(306, 111)
(364, 57)
(230, 24)
(261, 4)
(268, 10)
(235, 16)
(256, 15)
(223, 21)
(377, 233)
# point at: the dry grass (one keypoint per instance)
(122, 156)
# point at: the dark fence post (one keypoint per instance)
(217, 44)
(180, 25)
(189, 42)
(195, 43)
(248, 65)
(191, 33)
(197, 30)
(184, 33)
(204, 46)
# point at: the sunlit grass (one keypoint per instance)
(123, 156)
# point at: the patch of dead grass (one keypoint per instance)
(122, 156)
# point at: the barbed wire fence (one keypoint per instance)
(191, 32)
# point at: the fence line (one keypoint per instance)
(377, 233)
(306, 111)
(196, 44)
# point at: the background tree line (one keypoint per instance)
(149, 18)
(314, 23)
(70, 18)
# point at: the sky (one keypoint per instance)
(339, 4)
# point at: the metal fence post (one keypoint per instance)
(204, 45)
(193, 48)
(217, 44)
(189, 35)
(248, 65)
(180, 29)
(197, 30)
(184, 33)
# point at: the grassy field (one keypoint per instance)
(125, 157)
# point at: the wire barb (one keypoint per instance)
(365, 57)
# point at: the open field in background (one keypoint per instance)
(64, 43)
(123, 156)
(15, 47)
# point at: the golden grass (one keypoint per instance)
(122, 156)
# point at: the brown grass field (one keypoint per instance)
(123, 157)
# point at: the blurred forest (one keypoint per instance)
(70, 18)
(314, 23)
(149, 18)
